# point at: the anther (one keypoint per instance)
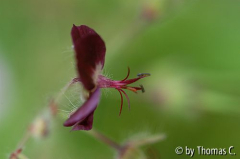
(142, 88)
(141, 75)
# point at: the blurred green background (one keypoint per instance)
(190, 48)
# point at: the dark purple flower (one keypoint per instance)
(90, 55)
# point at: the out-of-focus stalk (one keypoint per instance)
(130, 149)
(99, 136)
(40, 126)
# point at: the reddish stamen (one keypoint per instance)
(126, 97)
(121, 102)
(138, 88)
(127, 74)
(132, 89)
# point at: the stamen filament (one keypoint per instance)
(126, 97)
(127, 74)
(132, 89)
(121, 101)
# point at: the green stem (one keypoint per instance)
(96, 134)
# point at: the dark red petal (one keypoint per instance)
(86, 124)
(90, 52)
(81, 31)
(85, 110)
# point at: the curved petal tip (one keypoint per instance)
(82, 119)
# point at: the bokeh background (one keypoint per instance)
(191, 49)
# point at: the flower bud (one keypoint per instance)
(39, 128)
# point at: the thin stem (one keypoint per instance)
(97, 135)
(52, 108)
(24, 139)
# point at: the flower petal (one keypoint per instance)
(90, 54)
(83, 114)
(79, 32)
(86, 124)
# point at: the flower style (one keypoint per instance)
(90, 55)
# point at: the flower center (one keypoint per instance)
(104, 82)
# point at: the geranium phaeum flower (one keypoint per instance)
(90, 55)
